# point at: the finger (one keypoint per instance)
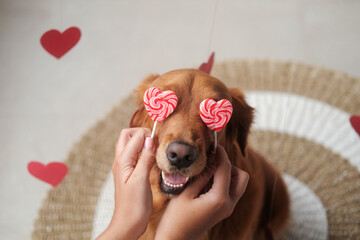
(146, 160)
(239, 182)
(222, 176)
(128, 158)
(194, 189)
(125, 136)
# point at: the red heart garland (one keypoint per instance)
(215, 114)
(355, 123)
(52, 173)
(159, 104)
(206, 67)
(57, 44)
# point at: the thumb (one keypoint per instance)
(146, 160)
(239, 182)
(195, 188)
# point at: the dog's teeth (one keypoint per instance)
(170, 184)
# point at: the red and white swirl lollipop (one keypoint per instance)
(159, 104)
(215, 114)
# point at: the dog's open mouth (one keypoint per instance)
(172, 183)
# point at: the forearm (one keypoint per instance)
(120, 231)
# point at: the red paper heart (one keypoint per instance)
(215, 114)
(159, 104)
(57, 44)
(206, 67)
(52, 173)
(355, 123)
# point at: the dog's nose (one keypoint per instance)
(181, 154)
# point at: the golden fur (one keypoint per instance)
(265, 203)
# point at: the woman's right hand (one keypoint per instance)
(133, 196)
(189, 214)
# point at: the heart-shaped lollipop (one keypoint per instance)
(159, 104)
(215, 115)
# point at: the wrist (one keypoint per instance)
(120, 231)
(115, 234)
(112, 234)
(175, 235)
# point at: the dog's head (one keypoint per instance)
(183, 140)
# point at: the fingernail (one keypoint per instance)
(149, 143)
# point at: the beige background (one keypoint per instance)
(47, 104)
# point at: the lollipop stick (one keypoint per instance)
(215, 141)
(153, 131)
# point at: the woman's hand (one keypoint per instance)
(133, 197)
(188, 215)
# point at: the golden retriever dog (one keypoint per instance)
(184, 143)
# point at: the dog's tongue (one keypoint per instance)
(174, 178)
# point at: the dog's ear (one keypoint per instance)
(139, 117)
(239, 125)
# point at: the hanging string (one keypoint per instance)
(209, 50)
(61, 15)
(213, 25)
